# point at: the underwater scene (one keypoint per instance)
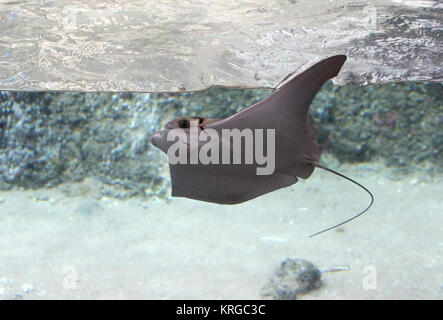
(92, 207)
(86, 206)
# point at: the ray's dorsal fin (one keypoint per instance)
(353, 181)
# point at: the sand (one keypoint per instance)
(69, 242)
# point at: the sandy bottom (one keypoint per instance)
(70, 243)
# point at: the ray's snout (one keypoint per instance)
(156, 138)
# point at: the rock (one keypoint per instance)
(294, 277)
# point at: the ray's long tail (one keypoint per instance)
(353, 181)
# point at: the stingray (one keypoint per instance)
(213, 167)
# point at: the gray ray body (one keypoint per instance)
(296, 151)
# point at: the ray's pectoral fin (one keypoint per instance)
(211, 184)
(302, 88)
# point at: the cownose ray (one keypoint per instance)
(296, 152)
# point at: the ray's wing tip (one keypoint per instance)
(340, 59)
(334, 64)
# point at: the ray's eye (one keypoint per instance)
(200, 120)
(183, 124)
